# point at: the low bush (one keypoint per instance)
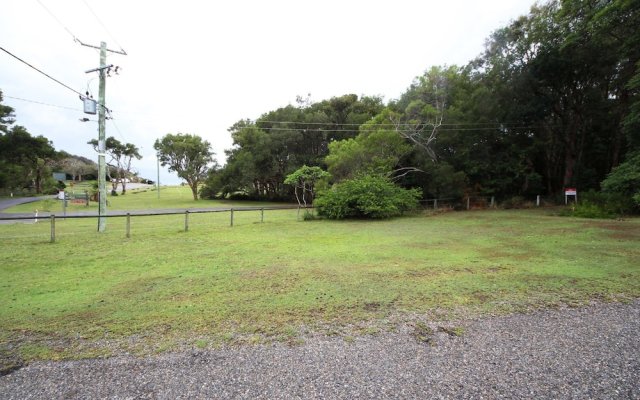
(612, 202)
(309, 216)
(368, 196)
(624, 180)
(514, 202)
(587, 210)
(594, 204)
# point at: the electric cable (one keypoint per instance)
(75, 39)
(104, 27)
(356, 124)
(42, 103)
(40, 71)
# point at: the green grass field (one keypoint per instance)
(92, 294)
(134, 199)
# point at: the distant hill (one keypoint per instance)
(77, 168)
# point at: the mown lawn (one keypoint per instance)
(90, 294)
(171, 197)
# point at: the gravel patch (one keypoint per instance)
(584, 353)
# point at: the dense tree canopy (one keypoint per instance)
(265, 151)
(77, 167)
(559, 80)
(552, 102)
(24, 159)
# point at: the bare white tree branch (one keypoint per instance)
(423, 131)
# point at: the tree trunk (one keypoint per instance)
(194, 189)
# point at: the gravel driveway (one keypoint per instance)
(584, 353)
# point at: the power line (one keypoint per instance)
(43, 73)
(385, 124)
(75, 39)
(321, 130)
(69, 108)
(42, 103)
(103, 26)
(116, 125)
(308, 130)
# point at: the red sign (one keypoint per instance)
(570, 191)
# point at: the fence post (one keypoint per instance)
(186, 221)
(86, 197)
(435, 204)
(128, 225)
(468, 202)
(232, 217)
(262, 215)
(493, 201)
(538, 201)
(53, 228)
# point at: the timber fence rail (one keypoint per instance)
(172, 220)
(479, 202)
(460, 203)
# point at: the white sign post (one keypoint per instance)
(570, 192)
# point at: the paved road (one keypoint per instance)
(585, 353)
(14, 201)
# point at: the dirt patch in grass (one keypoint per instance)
(515, 253)
(374, 306)
(481, 297)
(423, 333)
(138, 285)
(496, 269)
(624, 230)
(421, 273)
(10, 360)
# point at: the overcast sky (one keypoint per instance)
(200, 66)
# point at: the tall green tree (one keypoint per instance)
(376, 150)
(7, 116)
(304, 180)
(188, 155)
(560, 81)
(121, 156)
(25, 159)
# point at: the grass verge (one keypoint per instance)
(93, 294)
(171, 197)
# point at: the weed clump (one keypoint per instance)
(423, 333)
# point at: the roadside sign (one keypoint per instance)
(570, 192)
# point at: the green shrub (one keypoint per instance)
(625, 179)
(368, 196)
(615, 203)
(588, 210)
(514, 202)
(309, 216)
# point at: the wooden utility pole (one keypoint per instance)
(102, 110)
(102, 168)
